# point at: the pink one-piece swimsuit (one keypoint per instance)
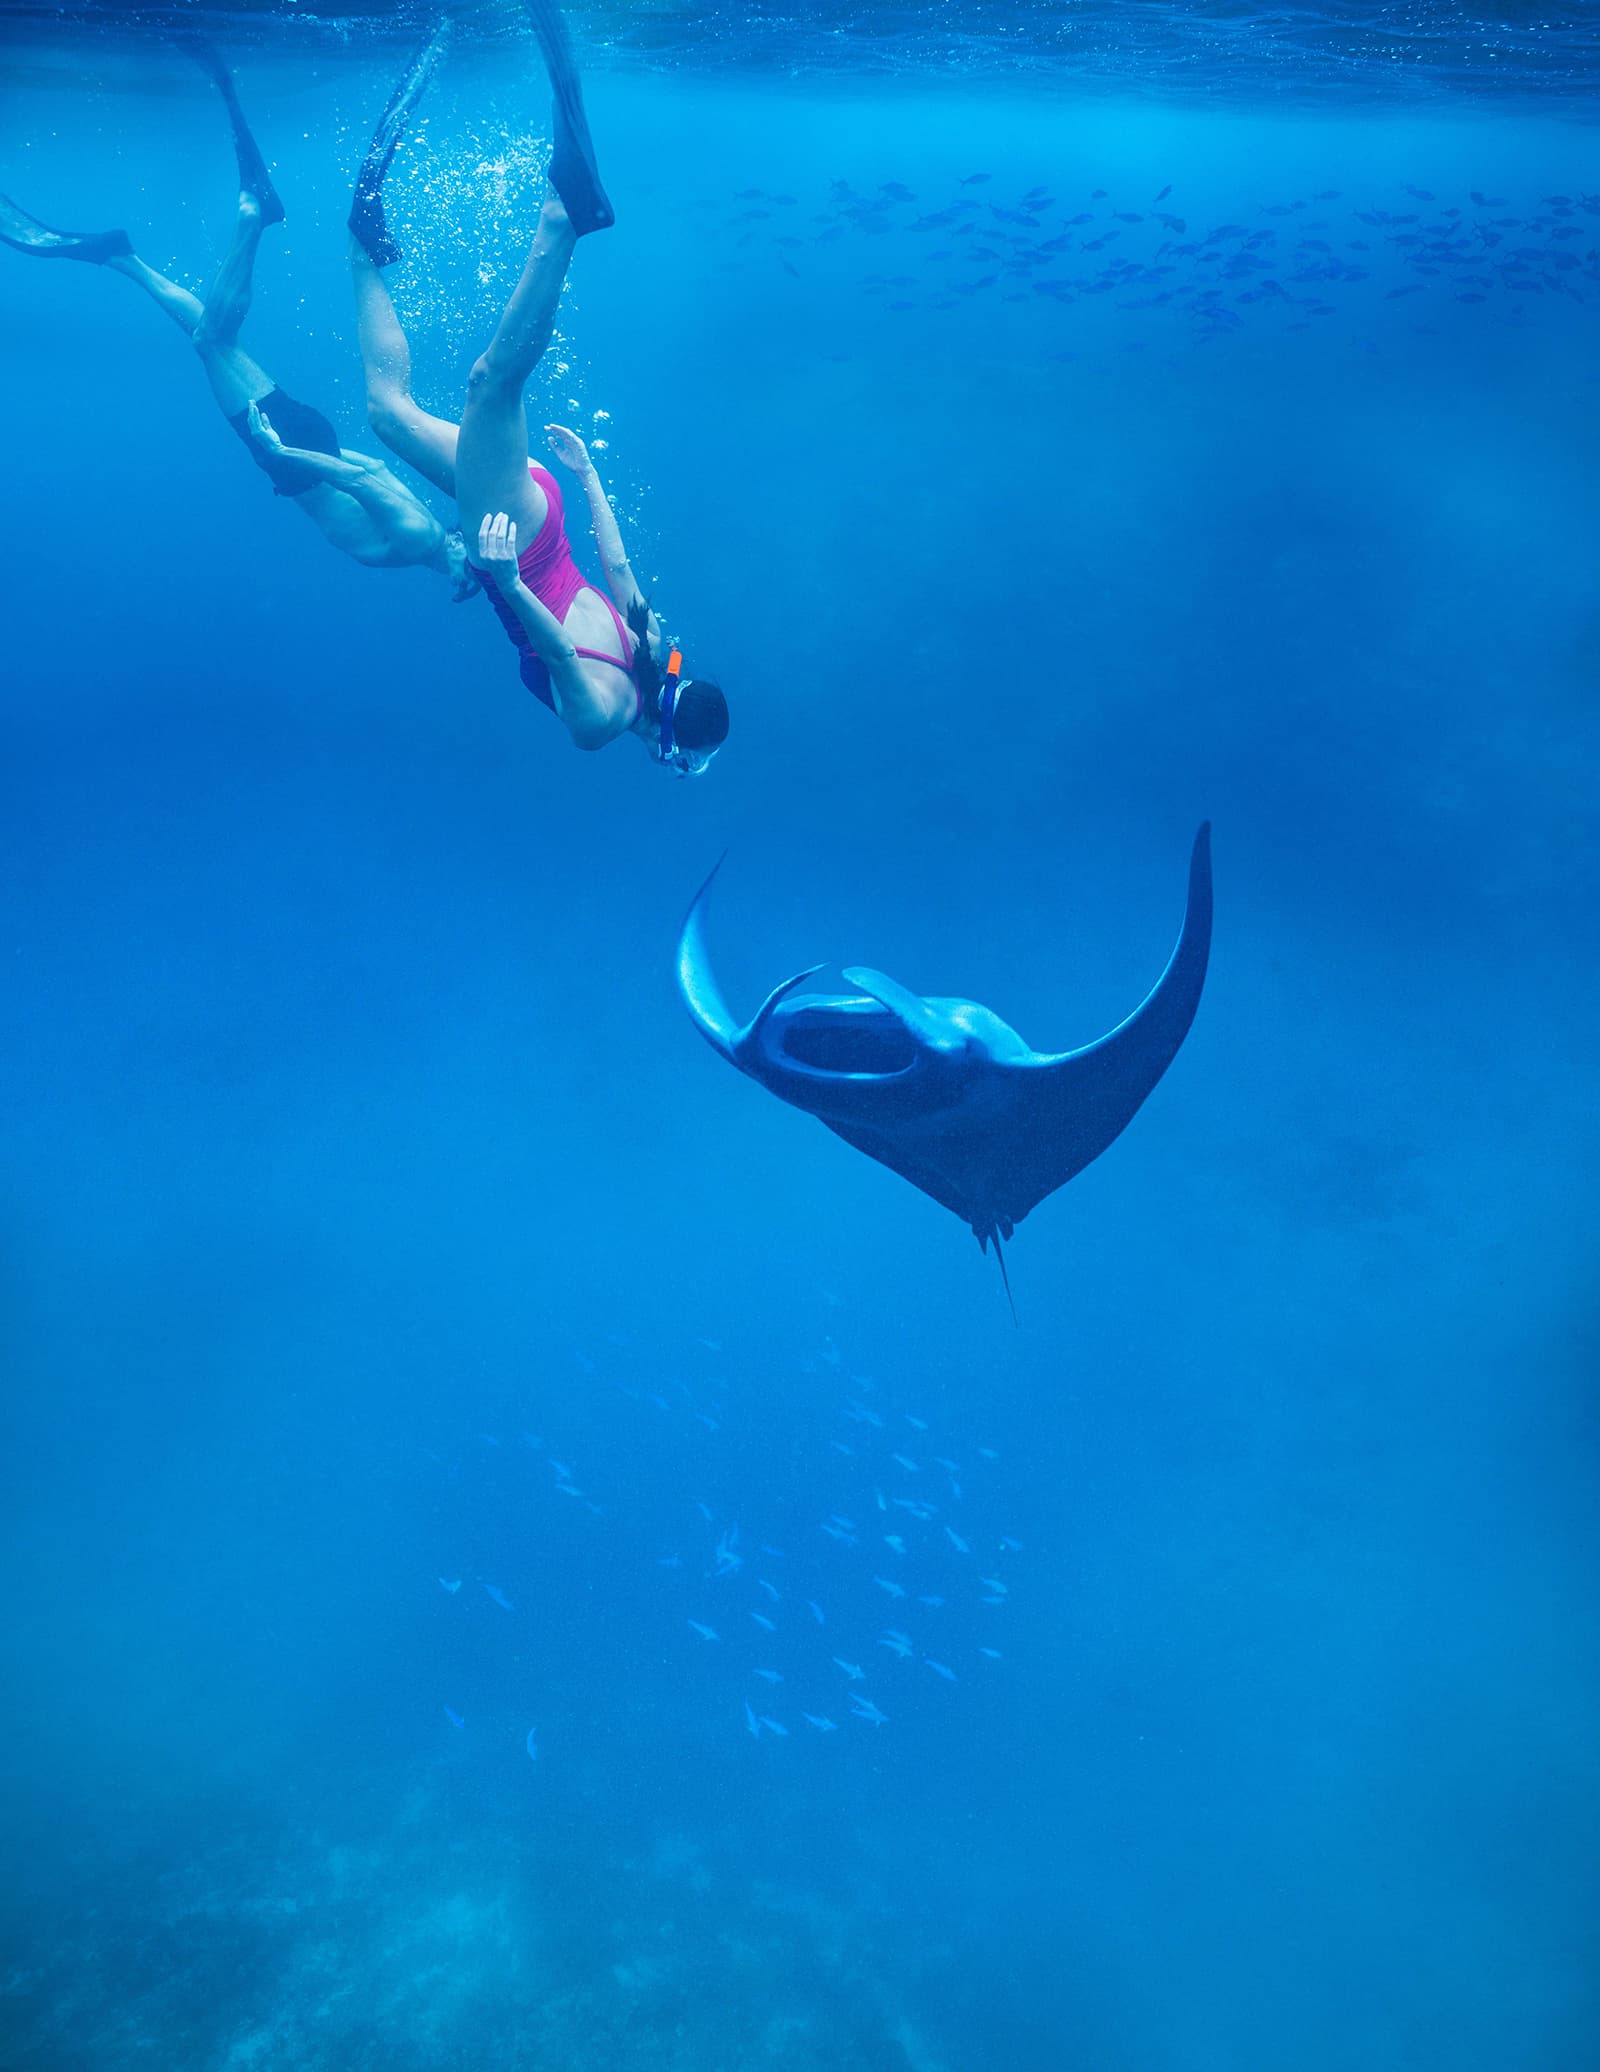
(548, 569)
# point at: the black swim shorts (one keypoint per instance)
(296, 424)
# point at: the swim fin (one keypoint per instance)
(253, 175)
(573, 172)
(25, 233)
(368, 225)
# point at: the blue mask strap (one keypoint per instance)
(669, 705)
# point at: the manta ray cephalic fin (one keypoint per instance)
(930, 1028)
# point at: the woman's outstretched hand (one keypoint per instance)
(497, 550)
(568, 448)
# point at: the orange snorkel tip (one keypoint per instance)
(668, 704)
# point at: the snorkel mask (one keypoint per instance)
(683, 762)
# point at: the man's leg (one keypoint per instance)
(181, 304)
(492, 454)
(424, 442)
(236, 380)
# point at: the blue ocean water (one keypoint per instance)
(413, 1337)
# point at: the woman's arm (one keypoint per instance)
(570, 450)
(591, 716)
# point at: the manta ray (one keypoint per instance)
(942, 1091)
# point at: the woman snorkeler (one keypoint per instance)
(598, 661)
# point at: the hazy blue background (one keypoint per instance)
(347, 1099)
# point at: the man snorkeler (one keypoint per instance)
(354, 499)
(599, 662)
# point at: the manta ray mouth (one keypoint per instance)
(853, 1047)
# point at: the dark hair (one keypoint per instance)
(643, 669)
(701, 718)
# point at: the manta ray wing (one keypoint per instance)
(935, 1161)
(1032, 1124)
(1065, 1111)
(701, 993)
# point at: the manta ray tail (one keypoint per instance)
(984, 1239)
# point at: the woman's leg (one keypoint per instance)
(424, 442)
(492, 453)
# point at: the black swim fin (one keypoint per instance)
(573, 172)
(253, 175)
(368, 225)
(25, 233)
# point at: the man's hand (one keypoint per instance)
(497, 550)
(261, 430)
